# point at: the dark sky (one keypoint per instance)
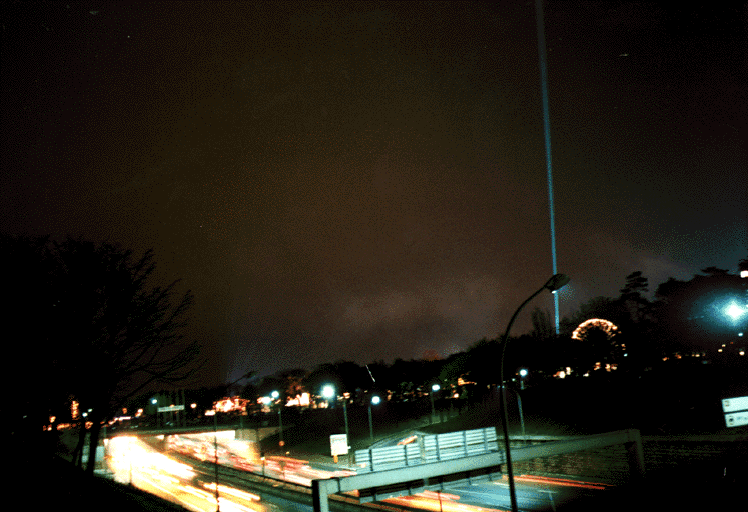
(367, 181)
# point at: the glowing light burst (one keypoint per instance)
(735, 312)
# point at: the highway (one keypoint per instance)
(187, 477)
(533, 494)
(135, 462)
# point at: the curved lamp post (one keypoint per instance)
(554, 283)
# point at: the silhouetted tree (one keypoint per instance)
(636, 321)
(635, 304)
(106, 331)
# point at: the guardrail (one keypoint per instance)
(428, 449)
(384, 484)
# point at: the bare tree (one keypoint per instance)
(108, 330)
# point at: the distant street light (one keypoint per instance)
(328, 392)
(275, 395)
(522, 374)
(374, 401)
(434, 389)
(735, 312)
(154, 401)
(215, 454)
(554, 283)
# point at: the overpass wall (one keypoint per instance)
(610, 464)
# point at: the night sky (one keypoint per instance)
(367, 181)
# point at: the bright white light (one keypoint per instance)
(436, 387)
(735, 312)
(523, 372)
(375, 400)
(328, 392)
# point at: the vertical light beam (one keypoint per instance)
(547, 131)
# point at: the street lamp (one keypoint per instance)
(522, 375)
(735, 312)
(374, 401)
(275, 395)
(554, 283)
(154, 401)
(215, 454)
(328, 392)
(434, 389)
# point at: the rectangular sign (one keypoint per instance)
(739, 403)
(736, 419)
(171, 408)
(338, 444)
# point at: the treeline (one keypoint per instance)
(89, 323)
(631, 333)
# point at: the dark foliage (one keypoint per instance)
(97, 329)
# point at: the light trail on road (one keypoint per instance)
(535, 493)
(135, 461)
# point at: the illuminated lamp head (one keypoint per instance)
(735, 312)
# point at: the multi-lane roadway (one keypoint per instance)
(190, 482)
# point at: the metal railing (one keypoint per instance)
(427, 449)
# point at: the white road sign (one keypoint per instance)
(171, 408)
(736, 411)
(735, 404)
(736, 419)
(338, 444)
